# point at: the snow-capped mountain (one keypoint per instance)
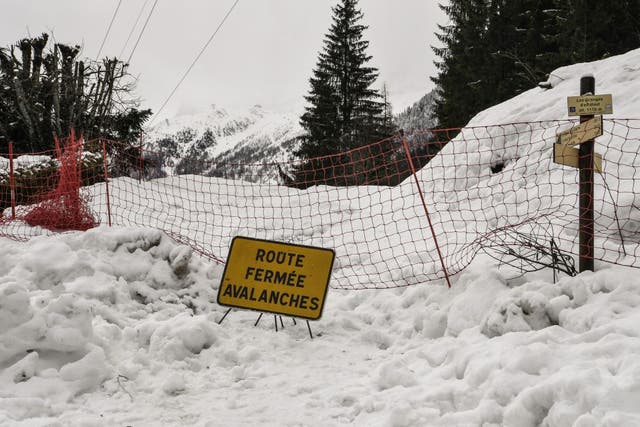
(208, 142)
(222, 143)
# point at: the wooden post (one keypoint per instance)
(424, 205)
(12, 182)
(106, 179)
(585, 166)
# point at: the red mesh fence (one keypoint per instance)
(63, 207)
(493, 189)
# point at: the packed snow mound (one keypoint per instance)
(125, 321)
(64, 299)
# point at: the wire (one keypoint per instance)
(194, 61)
(142, 31)
(113, 18)
(133, 28)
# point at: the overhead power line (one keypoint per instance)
(133, 28)
(194, 61)
(113, 18)
(142, 31)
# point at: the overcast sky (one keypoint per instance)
(264, 54)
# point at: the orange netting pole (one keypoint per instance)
(424, 205)
(12, 182)
(106, 180)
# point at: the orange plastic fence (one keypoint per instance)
(494, 189)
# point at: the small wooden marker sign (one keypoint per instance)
(583, 132)
(276, 277)
(590, 105)
(569, 156)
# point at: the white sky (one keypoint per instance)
(264, 54)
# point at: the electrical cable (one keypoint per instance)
(142, 31)
(133, 28)
(113, 18)
(194, 61)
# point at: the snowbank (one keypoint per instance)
(67, 301)
(123, 321)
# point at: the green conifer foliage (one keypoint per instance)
(344, 111)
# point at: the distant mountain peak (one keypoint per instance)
(208, 140)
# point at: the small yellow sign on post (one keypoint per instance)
(583, 132)
(569, 156)
(590, 104)
(276, 277)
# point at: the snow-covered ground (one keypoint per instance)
(118, 326)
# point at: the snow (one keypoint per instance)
(119, 326)
(230, 127)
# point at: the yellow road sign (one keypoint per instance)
(583, 132)
(276, 277)
(569, 156)
(590, 104)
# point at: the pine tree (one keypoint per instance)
(591, 30)
(388, 126)
(460, 81)
(495, 49)
(344, 111)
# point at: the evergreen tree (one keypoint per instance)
(344, 111)
(495, 49)
(388, 126)
(590, 29)
(460, 80)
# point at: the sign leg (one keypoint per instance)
(309, 327)
(225, 315)
(258, 320)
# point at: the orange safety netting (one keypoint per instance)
(55, 199)
(491, 189)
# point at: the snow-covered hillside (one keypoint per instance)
(118, 326)
(208, 142)
(419, 115)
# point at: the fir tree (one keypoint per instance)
(344, 111)
(460, 80)
(590, 30)
(493, 50)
